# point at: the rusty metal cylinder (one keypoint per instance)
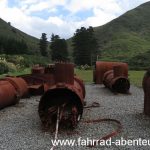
(19, 84)
(115, 82)
(66, 94)
(146, 88)
(119, 71)
(64, 73)
(8, 95)
(11, 90)
(102, 67)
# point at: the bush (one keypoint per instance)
(3, 67)
(6, 67)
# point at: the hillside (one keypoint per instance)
(125, 37)
(8, 31)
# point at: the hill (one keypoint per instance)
(126, 37)
(8, 31)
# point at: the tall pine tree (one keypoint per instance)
(43, 45)
(59, 49)
(84, 46)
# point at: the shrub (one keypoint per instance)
(3, 67)
(6, 67)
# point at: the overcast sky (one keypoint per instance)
(62, 17)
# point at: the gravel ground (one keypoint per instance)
(20, 126)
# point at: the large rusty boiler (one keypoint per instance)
(101, 67)
(40, 79)
(146, 88)
(11, 90)
(67, 94)
(116, 81)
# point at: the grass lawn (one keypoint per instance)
(136, 77)
(16, 73)
(87, 75)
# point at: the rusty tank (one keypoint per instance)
(67, 93)
(101, 67)
(146, 88)
(40, 79)
(11, 90)
(116, 81)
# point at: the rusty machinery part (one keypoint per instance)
(19, 84)
(68, 93)
(81, 86)
(94, 104)
(146, 88)
(50, 69)
(101, 67)
(64, 73)
(112, 134)
(68, 100)
(8, 95)
(116, 83)
(118, 71)
(37, 70)
(39, 83)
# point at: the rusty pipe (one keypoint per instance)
(68, 93)
(115, 81)
(11, 90)
(101, 67)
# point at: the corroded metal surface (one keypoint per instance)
(8, 95)
(102, 67)
(116, 81)
(40, 79)
(146, 88)
(19, 84)
(68, 94)
(11, 90)
(64, 73)
(37, 70)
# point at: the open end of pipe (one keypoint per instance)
(121, 85)
(71, 107)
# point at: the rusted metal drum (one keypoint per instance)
(116, 81)
(66, 94)
(19, 84)
(40, 79)
(146, 88)
(102, 67)
(119, 70)
(64, 72)
(8, 95)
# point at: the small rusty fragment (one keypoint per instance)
(146, 88)
(37, 70)
(67, 93)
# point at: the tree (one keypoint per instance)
(43, 45)
(59, 48)
(85, 46)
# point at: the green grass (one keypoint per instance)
(17, 73)
(136, 77)
(85, 75)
